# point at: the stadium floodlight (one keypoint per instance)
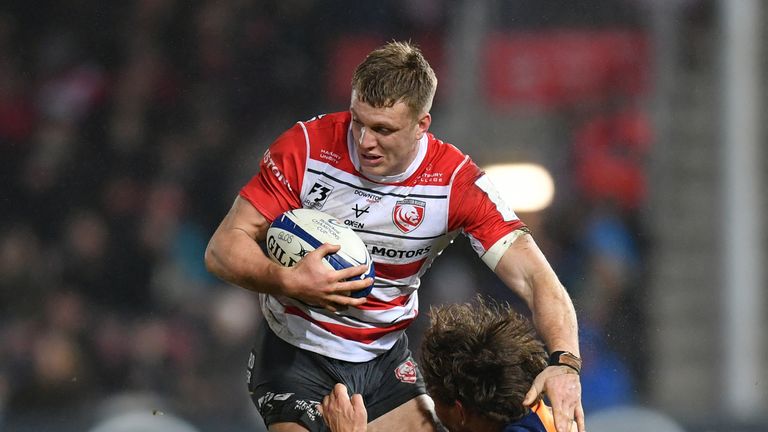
(526, 187)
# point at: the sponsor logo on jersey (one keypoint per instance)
(399, 253)
(354, 224)
(360, 211)
(484, 183)
(270, 164)
(370, 197)
(408, 214)
(406, 372)
(318, 195)
(431, 177)
(330, 156)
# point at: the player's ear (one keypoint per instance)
(461, 412)
(423, 123)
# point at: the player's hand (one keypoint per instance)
(563, 389)
(314, 283)
(342, 413)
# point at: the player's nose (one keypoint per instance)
(367, 140)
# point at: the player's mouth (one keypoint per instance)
(370, 160)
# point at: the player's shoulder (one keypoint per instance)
(327, 131)
(324, 122)
(445, 156)
(444, 149)
(326, 138)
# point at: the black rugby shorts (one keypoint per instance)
(287, 383)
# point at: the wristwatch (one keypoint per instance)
(565, 358)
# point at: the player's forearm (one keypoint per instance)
(553, 313)
(525, 270)
(236, 258)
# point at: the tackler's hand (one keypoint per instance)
(563, 389)
(343, 413)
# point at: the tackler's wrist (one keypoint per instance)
(565, 358)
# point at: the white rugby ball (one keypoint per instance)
(297, 232)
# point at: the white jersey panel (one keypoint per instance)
(404, 228)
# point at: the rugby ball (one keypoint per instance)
(297, 232)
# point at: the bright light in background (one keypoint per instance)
(525, 187)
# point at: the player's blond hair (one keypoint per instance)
(393, 73)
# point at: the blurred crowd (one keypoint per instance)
(126, 129)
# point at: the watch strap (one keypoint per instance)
(565, 358)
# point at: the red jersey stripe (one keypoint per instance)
(362, 335)
(398, 271)
(376, 304)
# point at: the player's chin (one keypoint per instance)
(376, 170)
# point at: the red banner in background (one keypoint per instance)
(551, 69)
(345, 55)
(348, 51)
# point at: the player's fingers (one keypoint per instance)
(333, 307)
(533, 392)
(351, 272)
(343, 300)
(353, 285)
(357, 401)
(562, 420)
(327, 249)
(580, 424)
(358, 406)
(319, 407)
(564, 413)
(340, 390)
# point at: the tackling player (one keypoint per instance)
(479, 360)
(408, 195)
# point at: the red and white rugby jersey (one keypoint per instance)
(405, 225)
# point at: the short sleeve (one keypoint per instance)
(276, 187)
(479, 211)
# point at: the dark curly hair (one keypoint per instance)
(484, 355)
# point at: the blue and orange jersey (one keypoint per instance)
(538, 420)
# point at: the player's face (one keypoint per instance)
(387, 138)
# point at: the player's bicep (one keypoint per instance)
(243, 216)
(520, 264)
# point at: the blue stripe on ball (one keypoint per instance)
(284, 222)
